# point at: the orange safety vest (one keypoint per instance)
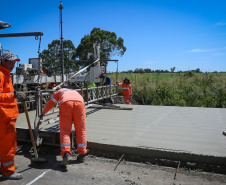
(126, 88)
(8, 103)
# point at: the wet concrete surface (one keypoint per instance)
(192, 130)
(96, 170)
(187, 134)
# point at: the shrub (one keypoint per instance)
(189, 74)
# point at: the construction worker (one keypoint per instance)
(71, 105)
(105, 78)
(8, 114)
(126, 90)
(107, 81)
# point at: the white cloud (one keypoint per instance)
(220, 23)
(196, 51)
(204, 50)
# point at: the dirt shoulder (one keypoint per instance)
(98, 170)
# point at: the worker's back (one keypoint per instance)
(64, 95)
(108, 80)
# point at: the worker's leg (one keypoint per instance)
(65, 127)
(7, 145)
(127, 99)
(79, 118)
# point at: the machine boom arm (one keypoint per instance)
(27, 34)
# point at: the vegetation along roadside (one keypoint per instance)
(177, 89)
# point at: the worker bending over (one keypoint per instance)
(71, 105)
(126, 90)
(8, 114)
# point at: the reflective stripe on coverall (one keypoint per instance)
(126, 91)
(71, 109)
(8, 113)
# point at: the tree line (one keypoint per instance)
(172, 70)
(110, 45)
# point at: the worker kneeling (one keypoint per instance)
(71, 105)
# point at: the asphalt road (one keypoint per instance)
(100, 171)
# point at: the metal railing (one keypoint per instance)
(93, 94)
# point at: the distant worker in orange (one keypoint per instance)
(126, 90)
(8, 114)
(72, 109)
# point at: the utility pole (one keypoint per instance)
(62, 48)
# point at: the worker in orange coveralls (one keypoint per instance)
(8, 114)
(71, 105)
(126, 90)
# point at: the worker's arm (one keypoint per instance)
(5, 97)
(52, 102)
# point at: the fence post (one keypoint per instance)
(97, 93)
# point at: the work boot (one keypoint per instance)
(67, 157)
(81, 158)
(14, 176)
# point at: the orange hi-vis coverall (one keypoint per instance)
(126, 91)
(8, 114)
(71, 105)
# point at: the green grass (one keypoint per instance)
(178, 89)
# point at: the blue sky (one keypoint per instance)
(158, 34)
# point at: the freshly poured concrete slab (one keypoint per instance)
(180, 129)
(185, 129)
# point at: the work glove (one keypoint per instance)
(21, 96)
(131, 96)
